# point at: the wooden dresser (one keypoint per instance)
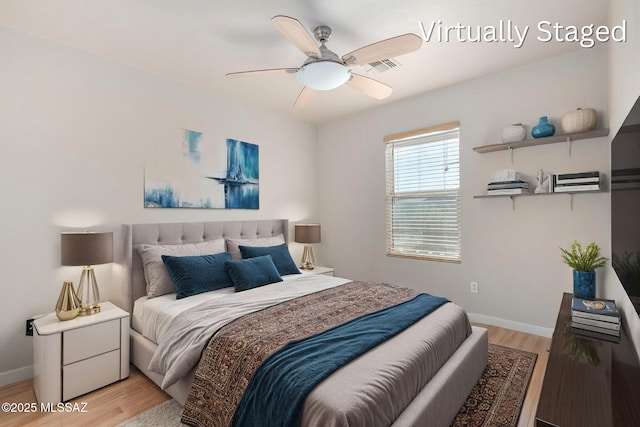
(588, 382)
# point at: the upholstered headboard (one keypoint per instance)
(133, 282)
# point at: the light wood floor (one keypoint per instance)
(118, 402)
(533, 344)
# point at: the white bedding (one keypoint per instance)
(179, 348)
(152, 316)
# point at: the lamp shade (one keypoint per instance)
(86, 248)
(307, 233)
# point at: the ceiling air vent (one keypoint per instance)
(381, 66)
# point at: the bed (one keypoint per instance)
(433, 401)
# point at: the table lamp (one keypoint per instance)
(87, 249)
(307, 233)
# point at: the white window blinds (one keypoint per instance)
(423, 193)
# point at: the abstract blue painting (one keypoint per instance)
(198, 173)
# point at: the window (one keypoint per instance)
(423, 193)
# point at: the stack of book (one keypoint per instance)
(516, 186)
(598, 318)
(580, 181)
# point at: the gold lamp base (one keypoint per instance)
(88, 293)
(308, 259)
(68, 305)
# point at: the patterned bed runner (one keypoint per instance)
(238, 349)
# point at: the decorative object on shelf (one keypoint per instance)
(543, 182)
(87, 249)
(580, 120)
(584, 262)
(584, 283)
(68, 305)
(514, 133)
(543, 128)
(596, 133)
(307, 233)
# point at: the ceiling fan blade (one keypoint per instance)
(384, 49)
(305, 97)
(297, 35)
(369, 87)
(266, 71)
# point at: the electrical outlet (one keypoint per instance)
(29, 328)
(474, 288)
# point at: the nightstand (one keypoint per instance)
(77, 356)
(327, 271)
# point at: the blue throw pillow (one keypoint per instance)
(193, 275)
(252, 272)
(280, 255)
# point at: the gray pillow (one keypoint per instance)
(233, 245)
(155, 272)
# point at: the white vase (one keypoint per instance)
(580, 120)
(514, 133)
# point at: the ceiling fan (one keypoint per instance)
(324, 70)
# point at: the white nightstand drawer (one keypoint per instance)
(80, 355)
(79, 344)
(87, 375)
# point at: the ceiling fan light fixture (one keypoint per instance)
(323, 75)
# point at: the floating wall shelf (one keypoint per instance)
(597, 133)
(513, 196)
(493, 196)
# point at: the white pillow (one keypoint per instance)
(233, 245)
(155, 272)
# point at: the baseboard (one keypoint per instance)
(16, 375)
(509, 324)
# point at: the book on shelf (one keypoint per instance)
(499, 186)
(589, 180)
(513, 181)
(590, 174)
(606, 331)
(583, 333)
(575, 184)
(596, 309)
(577, 320)
(575, 188)
(507, 191)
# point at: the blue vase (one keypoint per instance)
(543, 128)
(584, 284)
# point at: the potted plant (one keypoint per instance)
(584, 262)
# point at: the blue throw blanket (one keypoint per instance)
(277, 391)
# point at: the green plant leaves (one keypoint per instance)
(583, 259)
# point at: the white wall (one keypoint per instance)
(77, 130)
(513, 253)
(624, 90)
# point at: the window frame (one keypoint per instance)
(390, 194)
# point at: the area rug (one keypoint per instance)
(166, 414)
(495, 401)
